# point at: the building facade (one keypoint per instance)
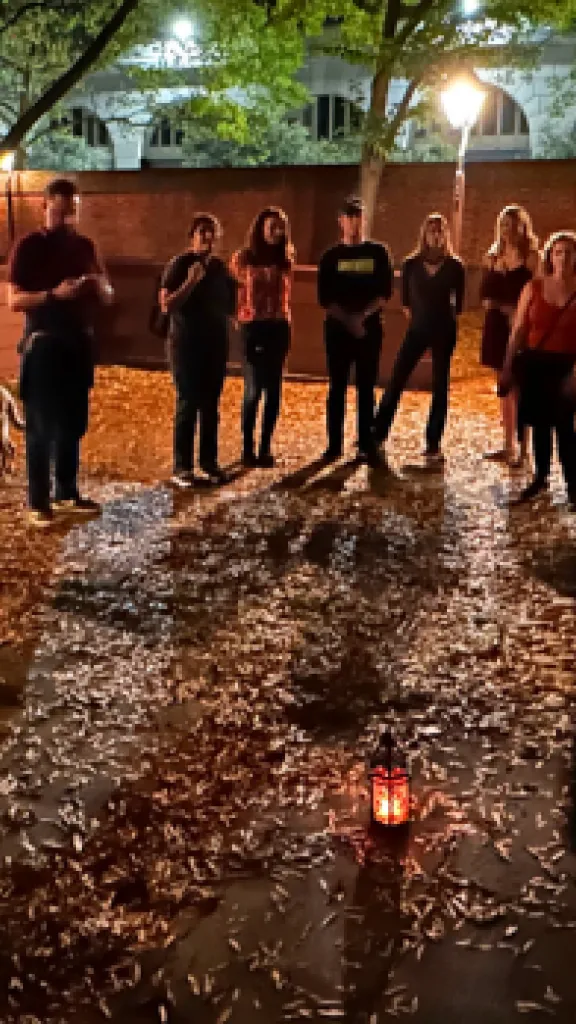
(520, 111)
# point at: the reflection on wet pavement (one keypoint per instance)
(290, 622)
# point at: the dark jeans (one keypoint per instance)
(199, 379)
(47, 440)
(342, 352)
(415, 344)
(55, 381)
(265, 345)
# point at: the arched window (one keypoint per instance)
(500, 116)
(89, 127)
(330, 117)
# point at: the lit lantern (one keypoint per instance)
(390, 784)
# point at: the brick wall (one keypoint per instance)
(144, 214)
(141, 217)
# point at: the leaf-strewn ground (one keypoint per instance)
(201, 679)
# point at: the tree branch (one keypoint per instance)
(70, 78)
(34, 5)
(393, 8)
(402, 110)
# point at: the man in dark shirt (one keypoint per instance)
(57, 279)
(199, 295)
(432, 297)
(355, 278)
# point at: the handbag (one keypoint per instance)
(524, 354)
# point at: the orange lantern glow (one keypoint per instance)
(390, 784)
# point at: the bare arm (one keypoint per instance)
(104, 289)
(519, 324)
(20, 301)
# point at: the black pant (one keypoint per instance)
(48, 440)
(342, 352)
(415, 344)
(198, 372)
(266, 344)
(566, 440)
(544, 407)
(55, 381)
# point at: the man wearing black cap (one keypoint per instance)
(355, 278)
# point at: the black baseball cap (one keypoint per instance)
(353, 206)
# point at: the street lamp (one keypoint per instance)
(183, 29)
(462, 102)
(7, 159)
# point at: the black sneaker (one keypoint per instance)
(434, 457)
(332, 454)
(372, 458)
(78, 504)
(249, 459)
(266, 460)
(214, 473)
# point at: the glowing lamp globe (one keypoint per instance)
(183, 29)
(462, 102)
(7, 161)
(389, 784)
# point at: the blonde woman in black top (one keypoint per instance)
(508, 266)
(432, 298)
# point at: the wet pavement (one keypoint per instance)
(211, 674)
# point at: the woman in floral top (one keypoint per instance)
(264, 271)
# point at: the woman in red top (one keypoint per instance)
(264, 272)
(545, 324)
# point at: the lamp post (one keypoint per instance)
(462, 102)
(7, 165)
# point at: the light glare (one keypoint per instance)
(183, 29)
(462, 102)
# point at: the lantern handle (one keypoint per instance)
(388, 742)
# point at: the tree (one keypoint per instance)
(270, 140)
(48, 46)
(60, 151)
(416, 44)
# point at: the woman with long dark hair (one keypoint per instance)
(432, 296)
(544, 332)
(508, 266)
(263, 269)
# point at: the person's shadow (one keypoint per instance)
(310, 478)
(373, 935)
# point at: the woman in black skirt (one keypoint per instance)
(509, 265)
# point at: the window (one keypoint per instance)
(488, 120)
(89, 127)
(500, 115)
(508, 122)
(165, 132)
(339, 121)
(323, 118)
(166, 136)
(331, 117)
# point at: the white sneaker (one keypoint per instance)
(183, 480)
